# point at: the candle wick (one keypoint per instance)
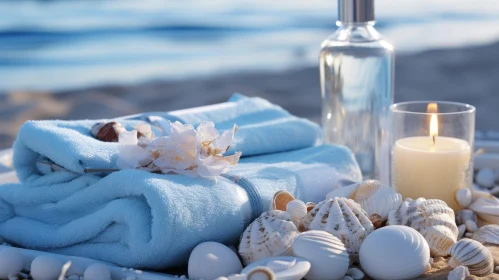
(433, 139)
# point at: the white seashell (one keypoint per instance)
(487, 210)
(355, 273)
(46, 268)
(471, 226)
(487, 234)
(432, 218)
(461, 230)
(210, 260)
(459, 273)
(260, 273)
(473, 255)
(97, 272)
(476, 194)
(325, 252)
(394, 253)
(283, 267)
(464, 215)
(297, 209)
(281, 200)
(463, 197)
(343, 218)
(372, 196)
(485, 178)
(11, 261)
(269, 235)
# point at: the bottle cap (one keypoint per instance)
(355, 10)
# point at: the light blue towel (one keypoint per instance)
(263, 128)
(138, 219)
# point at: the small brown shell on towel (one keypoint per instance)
(281, 200)
(107, 132)
(473, 255)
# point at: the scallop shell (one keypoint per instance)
(394, 253)
(372, 196)
(487, 234)
(432, 218)
(343, 218)
(464, 215)
(327, 255)
(271, 234)
(473, 255)
(459, 273)
(487, 210)
(280, 200)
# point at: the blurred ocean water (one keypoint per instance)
(53, 45)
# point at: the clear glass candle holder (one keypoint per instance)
(432, 149)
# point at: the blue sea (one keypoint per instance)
(57, 45)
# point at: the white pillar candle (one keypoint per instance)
(431, 169)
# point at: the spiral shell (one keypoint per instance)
(271, 234)
(473, 255)
(487, 234)
(372, 196)
(343, 218)
(432, 218)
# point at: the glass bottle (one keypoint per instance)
(356, 71)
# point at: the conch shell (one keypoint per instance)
(270, 235)
(432, 218)
(372, 196)
(487, 234)
(343, 218)
(473, 255)
(487, 210)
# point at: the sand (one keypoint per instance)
(463, 75)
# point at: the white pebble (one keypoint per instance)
(46, 268)
(355, 273)
(11, 261)
(485, 178)
(97, 271)
(463, 197)
(138, 271)
(347, 278)
(468, 235)
(461, 230)
(471, 226)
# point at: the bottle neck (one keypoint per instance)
(356, 31)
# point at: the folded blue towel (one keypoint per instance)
(138, 219)
(263, 128)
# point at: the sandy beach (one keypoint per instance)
(463, 75)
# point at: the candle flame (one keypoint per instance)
(433, 108)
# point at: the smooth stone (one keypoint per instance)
(461, 230)
(97, 271)
(468, 235)
(348, 278)
(471, 226)
(11, 261)
(210, 260)
(485, 178)
(355, 273)
(46, 268)
(463, 197)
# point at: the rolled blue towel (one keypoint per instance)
(138, 219)
(263, 128)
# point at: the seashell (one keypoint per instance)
(463, 197)
(343, 218)
(464, 215)
(394, 253)
(280, 200)
(46, 268)
(487, 210)
(487, 234)
(97, 271)
(210, 260)
(283, 267)
(473, 255)
(297, 209)
(260, 273)
(459, 273)
(432, 218)
(377, 221)
(326, 253)
(144, 130)
(107, 132)
(372, 196)
(476, 194)
(269, 235)
(11, 261)
(485, 178)
(310, 206)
